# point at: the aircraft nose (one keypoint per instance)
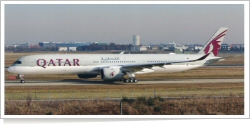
(11, 69)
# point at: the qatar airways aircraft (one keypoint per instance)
(113, 67)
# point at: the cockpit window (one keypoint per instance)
(18, 62)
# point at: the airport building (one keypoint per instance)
(101, 43)
(139, 48)
(170, 46)
(46, 44)
(18, 45)
(62, 48)
(237, 46)
(65, 48)
(72, 48)
(225, 47)
(63, 44)
(72, 44)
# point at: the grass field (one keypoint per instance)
(119, 91)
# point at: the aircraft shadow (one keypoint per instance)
(82, 81)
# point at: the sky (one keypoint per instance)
(117, 23)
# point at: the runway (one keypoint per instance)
(70, 82)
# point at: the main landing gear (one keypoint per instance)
(131, 76)
(21, 77)
(130, 80)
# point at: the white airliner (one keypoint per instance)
(113, 67)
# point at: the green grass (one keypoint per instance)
(119, 91)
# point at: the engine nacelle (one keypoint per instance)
(112, 73)
(87, 75)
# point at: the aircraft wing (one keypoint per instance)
(138, 67)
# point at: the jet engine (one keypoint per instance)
(112, 73)
(87, 75)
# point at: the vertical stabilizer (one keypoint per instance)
(213, 45)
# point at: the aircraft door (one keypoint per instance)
(32, 62)
(85, 63)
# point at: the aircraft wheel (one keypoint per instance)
(135, 80)
(131, 80)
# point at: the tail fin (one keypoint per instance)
(213, 45)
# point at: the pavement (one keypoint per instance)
(99, 82)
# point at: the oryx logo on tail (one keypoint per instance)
(214, 44)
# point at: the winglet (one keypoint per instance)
(122, 52)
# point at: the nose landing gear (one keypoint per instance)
(22, 81)
(21, 77)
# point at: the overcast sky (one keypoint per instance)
(117, 23)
